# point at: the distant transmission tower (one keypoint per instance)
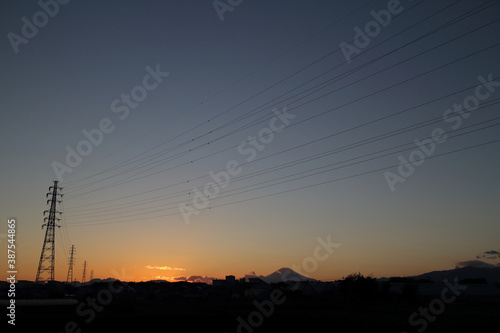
(47, 257)
(84, 271)
(69, 278)
(91, 274)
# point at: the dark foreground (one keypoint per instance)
(293, 316)
(200, 308)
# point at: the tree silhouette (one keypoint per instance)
(358, 286)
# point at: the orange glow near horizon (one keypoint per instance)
(215, 247)
(195, 269)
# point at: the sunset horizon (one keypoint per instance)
(350, 145)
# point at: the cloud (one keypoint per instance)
(251, 275)
(165, 268)
(474, 263)
(179, 278)
(491, 254)
(199, 278)
(171, 279)
(192, 278)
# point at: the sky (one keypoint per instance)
(198, 139)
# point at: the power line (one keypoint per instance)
(314, 116)
(317, 170)
(414, 108)
(295, 162)
(306, 186)
(251, 97)
(171, 158)
(69, 184)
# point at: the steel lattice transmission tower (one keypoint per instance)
(84, 271)
(69, 278)
(46, 265)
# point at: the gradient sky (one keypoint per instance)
(121, 202)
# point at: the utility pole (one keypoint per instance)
(84, 271)
(69, 278)
(46, 264)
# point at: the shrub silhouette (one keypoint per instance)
(358, 286)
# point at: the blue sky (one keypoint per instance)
(121, 203)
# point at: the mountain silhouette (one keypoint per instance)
(285, 274)
(492, 275)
